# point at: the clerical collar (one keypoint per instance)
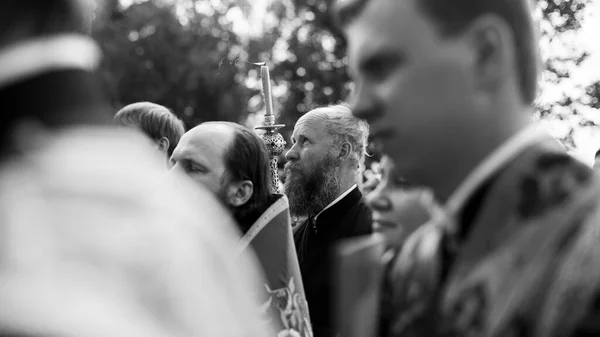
(337, 199)
(494, 162)
(35, 56)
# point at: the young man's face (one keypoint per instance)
(414, 87)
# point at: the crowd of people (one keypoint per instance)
(127, 224)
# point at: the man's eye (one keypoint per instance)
(377, 70)
(380, 67)
(195, 168)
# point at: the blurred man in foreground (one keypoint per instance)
(156, 122)
(321, 182)
(233, 162)
(96, 239)
(447, 87)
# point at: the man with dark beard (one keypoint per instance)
(233, 163)
(321, 184)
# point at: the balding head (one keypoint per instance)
(338, 123)
(201, 154)
(229, 159)
(328, 146)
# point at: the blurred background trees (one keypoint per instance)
(190, 55)
(568, 99)
(156, 52)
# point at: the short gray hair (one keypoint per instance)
(344, 127)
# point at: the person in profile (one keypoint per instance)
(447, 88)
(233, 163)
(156, 122)
(322, 172)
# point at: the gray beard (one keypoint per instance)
(310, 192)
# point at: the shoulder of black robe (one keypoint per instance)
(349, 217)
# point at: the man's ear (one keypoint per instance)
(163, 144)
(494, 47)
(345, 150)
(239, 193)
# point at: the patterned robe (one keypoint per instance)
(515, 253)
(270, 237)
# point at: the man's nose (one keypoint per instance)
(363, 104)
(292, 154)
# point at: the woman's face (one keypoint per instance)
(398, 207)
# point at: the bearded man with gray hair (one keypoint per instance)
(321, 183)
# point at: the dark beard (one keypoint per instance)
(310, 192)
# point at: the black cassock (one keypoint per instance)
(315, 241)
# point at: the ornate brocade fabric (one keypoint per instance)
(522, 262)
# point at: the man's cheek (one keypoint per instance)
(295, 173)
(293, 176)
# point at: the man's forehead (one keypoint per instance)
(376, 13)
(347, 10)
(312, 122)
(388, 18)
(397, 26)
(305, 128)
(206, 140)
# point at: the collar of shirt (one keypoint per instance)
(337, 199)
(29, 58)
(494, 162)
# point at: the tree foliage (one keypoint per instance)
(153, 54)
(577, 105)
(182, 53)
(559, 21)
